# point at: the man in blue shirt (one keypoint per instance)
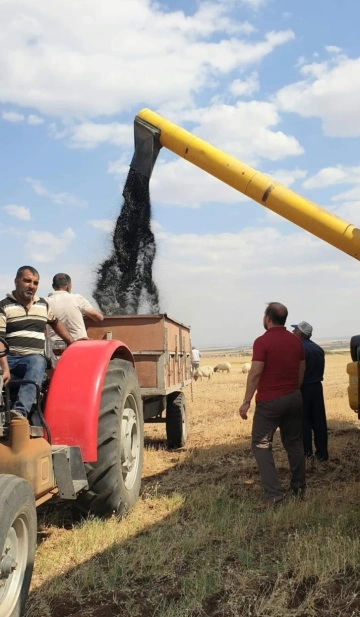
(314, 415)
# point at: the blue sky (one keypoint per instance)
(275, 83)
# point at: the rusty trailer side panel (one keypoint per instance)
(161, 347)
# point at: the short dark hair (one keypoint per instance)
(277, 313)
(21, 271)
(61, 280)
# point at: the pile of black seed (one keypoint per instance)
(124, 280)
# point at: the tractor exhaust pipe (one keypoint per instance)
(147, 147)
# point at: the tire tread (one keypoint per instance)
(107, 494)
(175, 410)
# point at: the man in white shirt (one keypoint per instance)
(195, 358)
(72, 308)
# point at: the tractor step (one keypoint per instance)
(36, 431)
(69, 470)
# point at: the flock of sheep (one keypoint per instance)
(223, 367)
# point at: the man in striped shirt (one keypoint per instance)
(23, 317)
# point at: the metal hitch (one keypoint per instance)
(147, 147)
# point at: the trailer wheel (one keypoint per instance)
(176, 420)
(115, 478)
(18, 531)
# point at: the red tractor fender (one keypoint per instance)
(73, 399)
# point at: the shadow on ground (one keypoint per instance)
(214, 553)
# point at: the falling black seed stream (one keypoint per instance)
(124, 280)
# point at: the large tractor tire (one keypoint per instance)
(176, 420)
(18, 530)
(115, 478)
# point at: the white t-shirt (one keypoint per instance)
(69, 308)
(195, 355)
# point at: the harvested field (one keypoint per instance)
(196, 544)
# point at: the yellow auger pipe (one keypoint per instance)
(256, 185)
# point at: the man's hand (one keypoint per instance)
(243, 411)
(6, 375)
(5, 370)
(252, 381)
(93, 314)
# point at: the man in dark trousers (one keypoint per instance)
(314, 415)
(276, 374)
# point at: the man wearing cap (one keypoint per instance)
(314, 415)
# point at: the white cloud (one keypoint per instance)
(90, 134)
(350, 195)
(6, 284)
(219, 283)
(84, 60)
(40, 246)
(44, 246)
(349, 211)
(339, 175)
(315, 69)
(245, 87)
(104, 224)
(120, 167)
(34, 120)
(254, 4)
(244, 131)
(12, 116)
(331, 176)
(333, 49)
(19, 212)
(179, 183)
(63, 199)
(346, 204)
(300, 62)
(331, 92)
(59, 133)
(287, 176)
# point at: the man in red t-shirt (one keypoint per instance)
(277, 372)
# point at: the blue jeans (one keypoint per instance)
(30, 367)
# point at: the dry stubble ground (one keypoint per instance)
(196, 544)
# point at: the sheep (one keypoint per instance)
(246, 367)
(223, 366)
(203, 371)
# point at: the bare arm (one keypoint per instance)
(93, 314)
(253, 379)
(3, 361)
(5, 369)
(301, 372)
(251, 386)
(61, 331)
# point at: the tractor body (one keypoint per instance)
(88, 446)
